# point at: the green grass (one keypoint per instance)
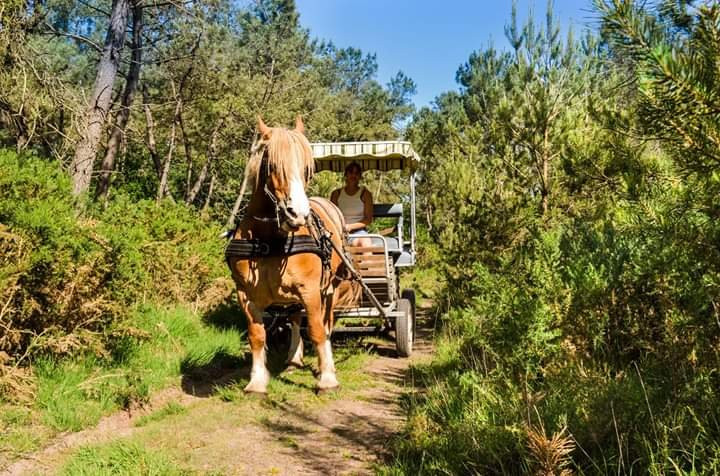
(175, 439)
(170, 409)
(426, 281)
(120, 458)
(14, 415)
(179, 347)
(75, 394)
(72, 394)
(298, 386)
(19, 431)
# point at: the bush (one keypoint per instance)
(68, 278)
(592, 334)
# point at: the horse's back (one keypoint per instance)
(329, 213)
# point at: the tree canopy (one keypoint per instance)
(161, 99)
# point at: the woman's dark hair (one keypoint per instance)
(353, 166)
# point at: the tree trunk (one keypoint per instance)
(186, 145)
(236, 208)
(150, 132)
(238, 201)
(92, 124)
(177, 120)
(163, 187)
(14, 119)
(212, 154)
(545, 172)
(188, 158)
(123, 115)
(209, 194)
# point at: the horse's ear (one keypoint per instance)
(299, 126)
(264, 129)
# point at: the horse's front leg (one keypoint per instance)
(321, 339)
(295, 353)
(259, 376)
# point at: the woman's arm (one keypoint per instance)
(334, 196)
(367, 199)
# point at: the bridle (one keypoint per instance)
(260, 148)
(274, 200)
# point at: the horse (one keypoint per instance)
(279, 211)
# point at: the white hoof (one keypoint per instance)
(258, 383)
(327, 381)
(295, 364)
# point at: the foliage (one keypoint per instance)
(208, 69)
(65, 279)
(670, 50)
(569, 186)
(584, 332)
(73, 393)
(172, 408)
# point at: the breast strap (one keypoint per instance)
(291, 245)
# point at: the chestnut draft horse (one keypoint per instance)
(279, 211)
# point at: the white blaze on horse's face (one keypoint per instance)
(298, 199)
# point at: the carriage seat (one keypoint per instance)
(393, 210)
(387, 210)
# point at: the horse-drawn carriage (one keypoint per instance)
(288, 256)
(378, 266)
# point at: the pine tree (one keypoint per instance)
(671, 51)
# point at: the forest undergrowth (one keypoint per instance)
(100, 311)
(572, 196)
(568, 193)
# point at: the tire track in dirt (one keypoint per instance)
(349, 436)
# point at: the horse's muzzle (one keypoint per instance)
(292, 220)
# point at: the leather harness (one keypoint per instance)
(318, 242)
(292, 244)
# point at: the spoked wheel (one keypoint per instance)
(404, 328)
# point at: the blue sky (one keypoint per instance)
(428, 40)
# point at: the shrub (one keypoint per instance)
(67, 278)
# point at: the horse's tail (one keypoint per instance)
(347, 290)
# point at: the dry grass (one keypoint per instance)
(17, 384)
(216, 293)
(550, 455)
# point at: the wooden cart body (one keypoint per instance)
(379, 265)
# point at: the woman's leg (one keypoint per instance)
(362, 241)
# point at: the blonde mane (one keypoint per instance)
(286, 151)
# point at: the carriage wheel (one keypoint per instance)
(409, 294)
(404, 328)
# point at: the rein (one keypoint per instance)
(276, 218)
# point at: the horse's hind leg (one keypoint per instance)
(259, 376)
(295, 354)
(321, 339)
(329, 318)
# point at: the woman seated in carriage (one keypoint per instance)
(356, 203)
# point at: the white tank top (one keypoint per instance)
(352, 206)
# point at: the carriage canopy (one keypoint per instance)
(381, 155)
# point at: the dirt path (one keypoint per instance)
(292, 432)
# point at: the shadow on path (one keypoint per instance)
(347, 436)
